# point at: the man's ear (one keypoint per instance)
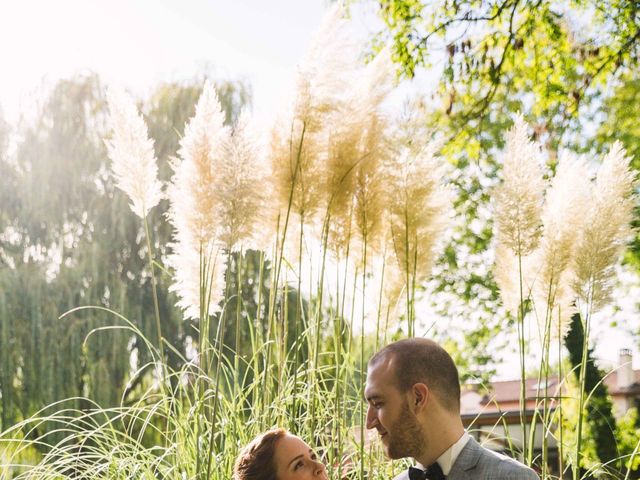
(420, 393)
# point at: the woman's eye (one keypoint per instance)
(298, 465)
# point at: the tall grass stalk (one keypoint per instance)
(318, 313)
(380, 300)
(298, 318)
(586, 324)
(523, 374)
(270, 335)
(362, 358)
(156, 308)
(238, 320)
(559, 411)
(220, 360)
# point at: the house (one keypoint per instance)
(492, 413)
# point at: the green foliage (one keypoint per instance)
(548, 57)
(589, 461)
(628, 440)
(599, 410)
(67, 239)
(200, 432)
(571, 68)
(51, 261)
(621, 111)
(463, 284)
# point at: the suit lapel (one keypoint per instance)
(467, 460)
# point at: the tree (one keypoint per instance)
(600, 407)
(68, 239)
(627, 440)
(549, 58)
(552, 60)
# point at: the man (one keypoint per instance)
(413, 393)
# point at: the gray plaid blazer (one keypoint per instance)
(478, 463)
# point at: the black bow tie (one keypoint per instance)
(433, 472)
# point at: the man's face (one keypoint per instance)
(390, 414)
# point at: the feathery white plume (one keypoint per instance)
(240, 191)
(519, 197)
(298, 143)
(518, 209)
(358, 147)
(193, 197)
(419, 209)
(193, 210)
(563, 215)
(131, 151)
(606, 228)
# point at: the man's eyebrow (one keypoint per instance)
(296, 458)
(375, 396)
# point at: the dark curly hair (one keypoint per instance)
(256, 460)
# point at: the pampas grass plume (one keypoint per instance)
(193, 199)
(131, 151)
(240, 191)
(606, 230)
(519, 198)
(193, 210)
(565, 208)
(419, 209)
(299, 140)
(358, 148)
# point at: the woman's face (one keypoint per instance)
(296, 461)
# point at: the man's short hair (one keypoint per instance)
(419, 360)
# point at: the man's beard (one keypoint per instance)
(407, 439)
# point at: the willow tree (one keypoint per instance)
(67, 239)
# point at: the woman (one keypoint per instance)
(278, 455)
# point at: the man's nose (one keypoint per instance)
(372, 419)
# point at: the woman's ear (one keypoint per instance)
(420, 396)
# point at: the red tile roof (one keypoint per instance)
(504, 396)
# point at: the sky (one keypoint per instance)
(139, 43)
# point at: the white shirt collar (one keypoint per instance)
(448, 458)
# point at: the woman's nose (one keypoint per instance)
(320, 468)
